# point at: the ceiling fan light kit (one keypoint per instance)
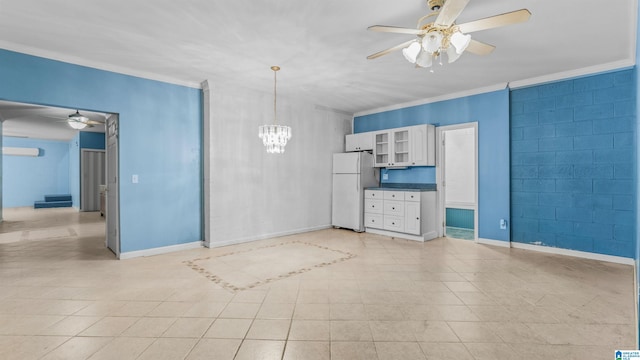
(274, 137)
(443, 36)
(78, 121)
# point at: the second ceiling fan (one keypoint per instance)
(443, 36)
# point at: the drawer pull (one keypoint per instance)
(393, 196)
(393, 223)
(417, 218)
(393, 208)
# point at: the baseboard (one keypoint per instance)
(160, 250)
(574, 253)
(264, 236)
(492, 242)
(398, 235)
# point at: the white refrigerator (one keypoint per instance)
(352, 172)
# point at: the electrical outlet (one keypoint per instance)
(503, 224)
(134, 179)
(385, 176)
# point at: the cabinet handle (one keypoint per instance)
(393, 208)
(417, 218)
(393, 223)
(373, 206)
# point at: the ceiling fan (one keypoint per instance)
(443, 36)
(79, 121)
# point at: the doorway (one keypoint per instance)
(47, 128)
(92, 168)
(457, 178)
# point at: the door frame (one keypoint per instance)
(440, 176)
(112, 209)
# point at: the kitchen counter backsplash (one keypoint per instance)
(405, 186)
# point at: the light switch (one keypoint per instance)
(134, 179)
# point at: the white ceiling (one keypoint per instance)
(320, 45)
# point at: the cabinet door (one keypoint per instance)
(401, 147)
(412, 217)
(382, 148)
(423, 145)
(359, 142)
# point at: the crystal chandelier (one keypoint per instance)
(274, 137)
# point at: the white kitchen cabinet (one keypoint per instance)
(359, 142)
(401, 213)
(407, 146)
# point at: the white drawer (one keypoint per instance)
(374, 194)
(394, 208)
(412, 196)
(393, 223)
(373, 221)
(373, 206)
(394, 195)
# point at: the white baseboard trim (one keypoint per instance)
(423, 238)
(215, 244)
(574, 253)
(492, 242)
(160, 250)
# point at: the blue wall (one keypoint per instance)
(491, 111)
(573, 164)
(160, 140)
(636, 79)
(92, 140)
(27, 179)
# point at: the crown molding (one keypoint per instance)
(456, 95)
(51, 55)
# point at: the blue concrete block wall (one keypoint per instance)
(573, 164)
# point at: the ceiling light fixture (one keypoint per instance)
(434, 44)
(78, 121)
(274, 137)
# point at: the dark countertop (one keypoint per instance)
(404, 187)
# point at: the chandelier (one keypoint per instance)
(431, 47)
(274, 137)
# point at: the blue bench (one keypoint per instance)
(54, 201)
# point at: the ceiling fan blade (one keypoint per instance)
(395, 29)
(450, 12)
(479, 48)
(392, 49)
(509, 18)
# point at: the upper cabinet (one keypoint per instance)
(407, 146)
(359, 142)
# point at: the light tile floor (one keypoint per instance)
(65, 297)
